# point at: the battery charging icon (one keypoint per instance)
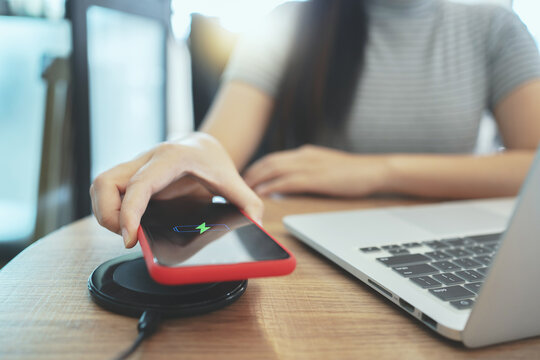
(200, 228)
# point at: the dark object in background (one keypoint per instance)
(4, 8)
(210, 47)
(56, 189)
(76, 11)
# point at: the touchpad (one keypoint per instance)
(449, 219)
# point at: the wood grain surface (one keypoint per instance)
(318, 312)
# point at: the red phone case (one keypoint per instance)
(211, 273)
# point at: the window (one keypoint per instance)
(529, 12)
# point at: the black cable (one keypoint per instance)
(148, 324)
(126, 353)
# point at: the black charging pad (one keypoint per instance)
(123, 285)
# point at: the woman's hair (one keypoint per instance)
(322, 72)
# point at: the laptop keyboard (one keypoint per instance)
(452, 270)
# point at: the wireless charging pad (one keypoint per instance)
(123, 285)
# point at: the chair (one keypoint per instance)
(56, 200)
(210, 46)
(77, 11)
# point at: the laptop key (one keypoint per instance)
(482, 239)
(412, 245)
(415, 270)
(435, 244)
(458, 242)
(492, 246)
(438, 255)
(370, 249)
(398, 251)
(448, 279)
(404, 259)
(456, 292)
(388, 247)
(463, 304)
(458, 252)
(470, 275)
(474, 287)
(486, 260)
(466, 263)
(453, 242)
(445, 266)
(425, 282)
(483, 270)
(479, 250)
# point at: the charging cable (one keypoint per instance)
(148, 324)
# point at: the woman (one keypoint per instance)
(391, 92)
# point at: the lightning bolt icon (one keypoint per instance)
(202, 227)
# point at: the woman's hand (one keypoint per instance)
(121, 194)
(319, 170)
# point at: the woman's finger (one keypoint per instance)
(106, 192)
(267, 168)
(106, 203)
(230, 185)
(151, 178)
(284, 185)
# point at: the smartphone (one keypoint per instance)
(188, 241)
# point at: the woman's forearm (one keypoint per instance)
(320, 170)
(238, 119)
(457, 176)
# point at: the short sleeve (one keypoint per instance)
(260, 55)
(513, 57)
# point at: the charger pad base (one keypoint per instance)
(123, 285)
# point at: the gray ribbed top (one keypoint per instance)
(432, 68)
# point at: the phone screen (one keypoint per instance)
(193, 232)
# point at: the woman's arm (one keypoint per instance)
(238, 119)
(458, 176)
(325, 171)
(518, 118)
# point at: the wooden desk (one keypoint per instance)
(318, 312)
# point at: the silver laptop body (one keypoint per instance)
(484, 255)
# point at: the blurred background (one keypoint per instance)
(86, 84)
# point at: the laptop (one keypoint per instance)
(468, 270)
